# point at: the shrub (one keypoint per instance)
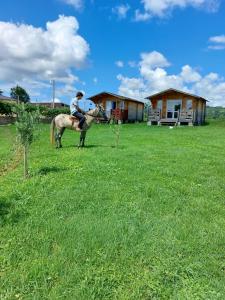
(52, 112)
(6, 108)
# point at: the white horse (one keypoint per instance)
(63, 121)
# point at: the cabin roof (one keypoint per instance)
(102, 94)
(174, 90)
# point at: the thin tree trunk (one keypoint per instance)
(25, 148)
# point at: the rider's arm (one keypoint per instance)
(79, 109)
(76, 105)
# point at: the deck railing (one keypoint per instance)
(182, 117)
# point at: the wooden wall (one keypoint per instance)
(135, 109)
(198, 105)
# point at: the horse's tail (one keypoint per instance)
(52, 130)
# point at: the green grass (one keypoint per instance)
(141, 221)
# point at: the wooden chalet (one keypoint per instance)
(174, 107)
(120, 108)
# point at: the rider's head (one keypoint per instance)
(79, 95)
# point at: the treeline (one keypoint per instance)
(217, 112)
(7, 109)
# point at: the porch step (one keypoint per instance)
(168, 122)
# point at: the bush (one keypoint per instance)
(215, 113)
(6, 108)
(52, 112)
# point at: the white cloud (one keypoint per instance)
(95, 80)
(29, 53)
(217, 42)
(132, 64)
(154, 78)
(119, 63)
(152, 60)
(132, 87)
(161, 8)
(218, 39)
(141, 17)
(189, 75)
(77, 4)
(121, 10)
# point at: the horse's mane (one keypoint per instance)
(91, 111)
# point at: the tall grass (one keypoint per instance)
(143, 221)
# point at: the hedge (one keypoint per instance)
(7, 109)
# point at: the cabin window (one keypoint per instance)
(159, 104)
(108, 108)
(189, 104)
(173, 108)
(121, 104)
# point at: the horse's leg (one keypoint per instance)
(57, 139)
(83, 138)
(60, 134)
(80, 140)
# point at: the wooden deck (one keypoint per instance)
(168, 122)
(184, 118)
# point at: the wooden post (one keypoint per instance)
(53, 93)
(25, 149)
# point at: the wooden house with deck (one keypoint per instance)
(120, 108)
(174, 107)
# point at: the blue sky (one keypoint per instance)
(133, 47)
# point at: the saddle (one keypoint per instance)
(73, 120)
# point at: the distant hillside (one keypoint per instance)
(217, 112)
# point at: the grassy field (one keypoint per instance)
(141, 221)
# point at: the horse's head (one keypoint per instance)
(101, 112)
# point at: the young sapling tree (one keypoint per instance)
(26, 125)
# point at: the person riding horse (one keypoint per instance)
(76, 111)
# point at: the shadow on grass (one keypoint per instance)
(10, 213)
(4, 208)
(47, 170)
(87, 146)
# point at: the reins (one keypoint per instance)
(86, 114)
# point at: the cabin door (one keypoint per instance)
(173, 108)
(108, 108)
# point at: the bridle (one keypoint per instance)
(87, 114)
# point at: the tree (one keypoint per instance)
(20, 94)
(26, 124)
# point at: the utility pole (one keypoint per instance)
(53, 93)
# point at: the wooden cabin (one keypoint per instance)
(174, 107)
(120, 108)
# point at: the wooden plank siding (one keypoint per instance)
(197, 107)
(132, 110)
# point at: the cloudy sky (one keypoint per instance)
(134, 47)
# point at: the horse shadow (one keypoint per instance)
(93, 146)
(47, 170)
